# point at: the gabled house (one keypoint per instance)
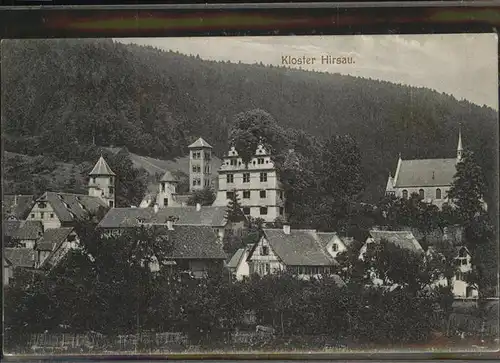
(301, 252)
(22, 233)
(57, 210)
(15, 258)
(214, 217)
(402, 239)
(54, 245)
(238, 264)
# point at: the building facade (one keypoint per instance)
(257, 185)
(431, 179)
(200, 165)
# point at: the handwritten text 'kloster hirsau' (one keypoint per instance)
(324, 59)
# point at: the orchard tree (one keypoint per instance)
(204, 197)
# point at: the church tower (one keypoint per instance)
(200, 168)
(102, 182)
(459, 147)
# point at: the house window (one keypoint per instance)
(246, 177)
(32, 215)
(230, 178)
(165, 201)
(282, 210)
(93, 180)
(41, 215)
(233, 162)
(438, 193)
(196, 155)
(263, 177)
(229, 195)
(421, 193)
(207, 156)
(51, 215)
(246, 211)
(405, 194)
(111, 190)
(41, 205)
(260, 161)
(207, 169)
(162, 187)
(262, 193)
(264, 251)
(263, 211)
(335, 247)
(194, 182)
(246, 194)
(111, 203)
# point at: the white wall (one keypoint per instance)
(46, 215)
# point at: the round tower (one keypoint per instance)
(102, 182)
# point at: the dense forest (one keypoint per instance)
(60, 96)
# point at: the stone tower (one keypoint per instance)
(200, 165)
(102, 182)
(167, 191)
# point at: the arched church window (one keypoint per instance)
(421, 193)
(405, 194)
(438, 193)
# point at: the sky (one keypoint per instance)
(463, 65)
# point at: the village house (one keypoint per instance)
(20, 233)
(257, 185)
(214, 217)
(17, 206)
(15, 258)
(431, 179)
(54, 245)
(302, 252)
(238, 264)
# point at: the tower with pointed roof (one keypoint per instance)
(102, 182)
(200, 168)
(167, 191)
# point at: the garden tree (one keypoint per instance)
(205, 196)
(339, 181)
(254, 127)
(350, 267)
(394, 265)
(234, 212)
(468, 189)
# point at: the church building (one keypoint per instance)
(431, 179)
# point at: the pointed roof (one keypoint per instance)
(200, 143)
(459, 147)
(168, 177)
(102, 168)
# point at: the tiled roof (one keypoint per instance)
(401, 239)
(20, 257)
(168, 177)
(17, 205)
(102, 168)
(188, 215)
(426, 172)
(69, 207)
(53, 237)
(200, 143)
(125, 217)
(325, 237)
(194, 242)
(28, 230)
(299, 248)
(236, 259)
(10, 227)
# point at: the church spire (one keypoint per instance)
(459, 147)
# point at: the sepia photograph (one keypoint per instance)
(250, 194)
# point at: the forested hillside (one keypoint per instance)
(60, 96)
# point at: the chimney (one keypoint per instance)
(286, 229)
(155, 208)
(198, 207)
(170, 225)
